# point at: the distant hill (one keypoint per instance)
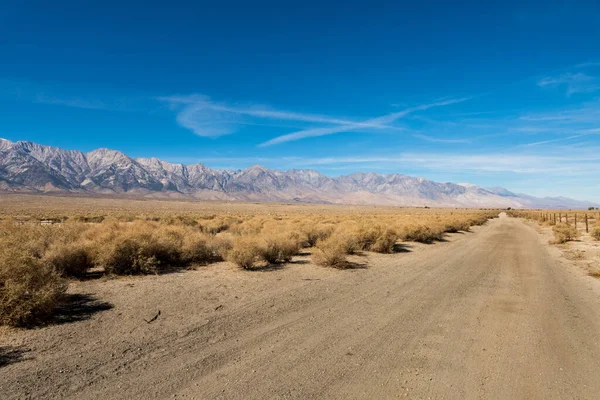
(31, 167)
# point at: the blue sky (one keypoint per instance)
(490, 93)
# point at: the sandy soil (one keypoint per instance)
(494, 314)
(52, 206)
(583, 253)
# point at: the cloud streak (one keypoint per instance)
(73, 102)
(492, 163)
(205, 117)
(383, 120)
(438, 140)
(573, 82)
(552, 141)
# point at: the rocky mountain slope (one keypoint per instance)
(30, 167)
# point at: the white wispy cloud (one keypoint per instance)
(206, 117)
(73, 102)
(522, 163)
(573, 82)
(595, 131)
(439, 140)
(451, 162)
(383, 120)
(488, 163)
(552, 141)
(579, 116)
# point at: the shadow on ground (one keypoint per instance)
(11, 355)
(433, 241)
(401, 248)
(92, 275)
(299, 262)
(267, 268)
(78, 307)
(355, 265)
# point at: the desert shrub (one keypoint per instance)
(346, 241)
(91, 219)
(279, 248)
(214, 225)
(66, 252)
(550, 222)
(137, 243)
(331, 252)
(184, 220)
(138, 248)
(30, 238)
(564, 233)
(479, 219)
(57, 246)
(203, 248)
(457, 225)
(29, 288)
(145, 247)
(596, 233)
(421, 233)
(129, 257)
(222, 243)
(246, 252)
(315, 232)
(249, 227)
(197, 249)
(369, 237)
(365, 238)
(385, 241)
(72, 259)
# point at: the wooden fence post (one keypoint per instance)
(586, 224)
(575, 220)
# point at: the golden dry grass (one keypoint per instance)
(29, 287)
(331, 252)
(44, 239)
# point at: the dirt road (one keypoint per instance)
(486, 315)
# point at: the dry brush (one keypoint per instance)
(37, 261)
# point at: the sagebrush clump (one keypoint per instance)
(331, 252)
(69, 259)
(246, 252)
(279, 248)
(422, 233)
(315, 232)
(385, 241)
(564, 233)
(596, 233)
(137, 248)
(30, 288)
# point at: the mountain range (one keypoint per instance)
(34, 168)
